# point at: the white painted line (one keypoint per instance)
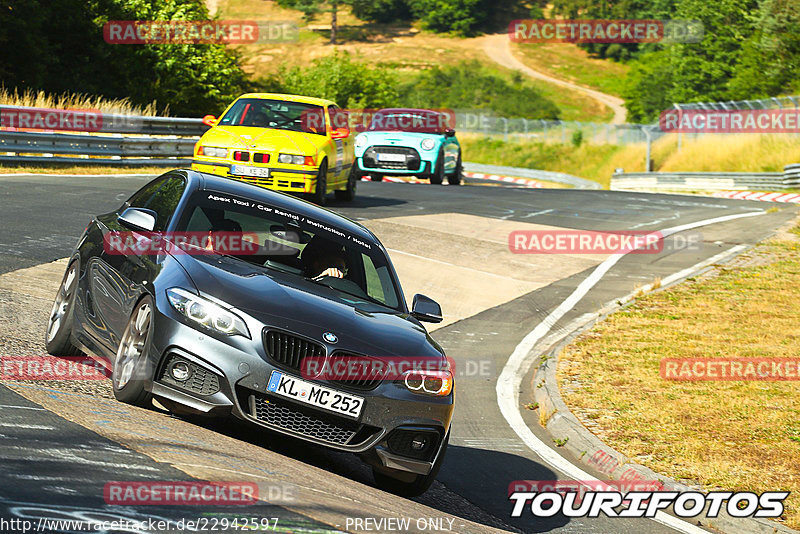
(510, 379)
(22, 407)
(27, 427)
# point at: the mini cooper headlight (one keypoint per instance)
(428, 143)
(361, 140)
(206, 313)
(213, 151)
(291, 158)
(436, 383)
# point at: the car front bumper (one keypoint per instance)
(280, 178)
(238, 370)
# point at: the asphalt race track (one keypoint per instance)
(62, 442)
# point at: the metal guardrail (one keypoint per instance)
(135, 124)
(95, 145)
(134, 146)
(548, 176)
(708, 181)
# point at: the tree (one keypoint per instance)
(312, 8)
(58, 47)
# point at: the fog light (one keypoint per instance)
(180, 371)
(419, 442)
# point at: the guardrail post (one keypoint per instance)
(648, 163)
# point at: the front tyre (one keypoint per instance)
(320, 193)
(438, 174)
(59, 325)
(418, 484)
(131, 362)
(349, 194)
(455, 178)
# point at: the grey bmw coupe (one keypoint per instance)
(224, 298)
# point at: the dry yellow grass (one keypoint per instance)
(40, 99)
(722, 435)
(401, 46)
(80, 169)
(569, 62)
(743, 153)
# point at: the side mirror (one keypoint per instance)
(449, 132)
(210, 120)
(426, 309)
(340, 133)
(138, 219)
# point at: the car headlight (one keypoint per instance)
(428, 143)
(291, 158)
(206, 313)
(436, 383)
(213, 151)
(361, 140)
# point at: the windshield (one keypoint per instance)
(354, 268)
(419, 121)
(276, 114)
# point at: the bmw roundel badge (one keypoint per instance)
(330, 337)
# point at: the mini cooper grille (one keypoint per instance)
(200, 380)
(373, 160)
(294, 418)
(289, 350)
(367, 374)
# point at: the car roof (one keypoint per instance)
(290, 98)
(407, 110)
(200, 181)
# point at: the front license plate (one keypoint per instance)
(392, 157)
(315, 395)
(246, 170)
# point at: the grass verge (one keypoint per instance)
(711, 153)
(733, 436)
(40, 99)
(572, 63)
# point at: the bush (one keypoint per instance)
(469, 85)
(59, 47)
(381, 10)
(337, 77)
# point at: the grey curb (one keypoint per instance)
(591, 451)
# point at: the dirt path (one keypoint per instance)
(498, 48)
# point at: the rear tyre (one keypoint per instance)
(455, 178)
(438, 174)
(320, 194)
(130, 367)
(349, 194)
(376, 177)
(418, 484)
(59, 325)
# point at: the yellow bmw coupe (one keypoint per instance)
(284, 142)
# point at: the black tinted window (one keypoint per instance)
(162, 196)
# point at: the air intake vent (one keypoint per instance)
(289, 350)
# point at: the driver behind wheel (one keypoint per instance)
(322, 257)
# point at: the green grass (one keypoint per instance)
(731, 435)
